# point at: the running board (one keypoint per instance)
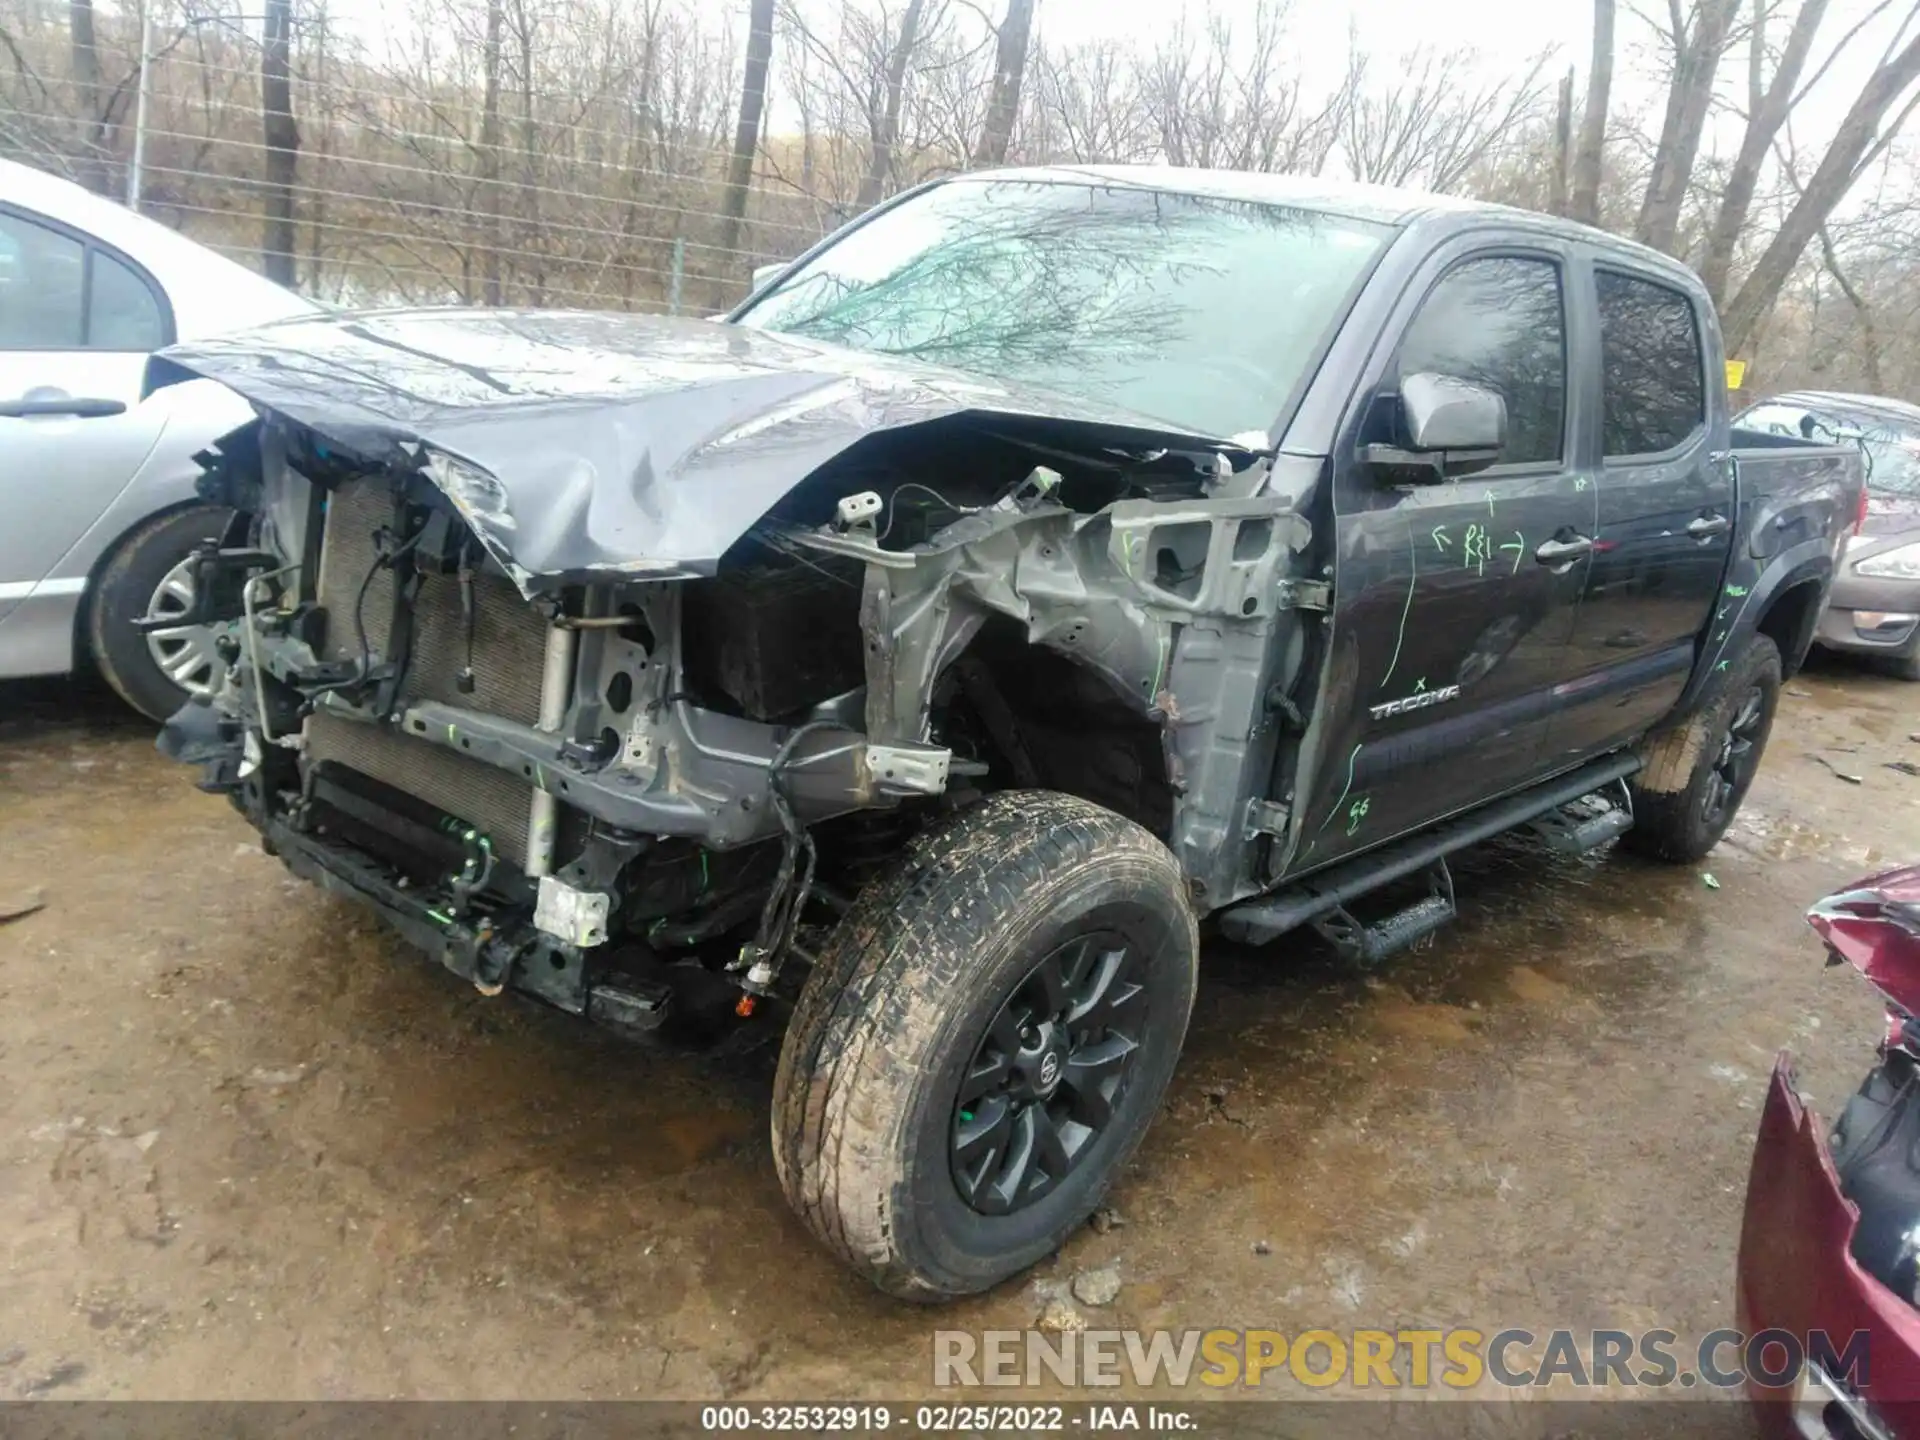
(1267, 918)
(1367, 945)
(1587, 823)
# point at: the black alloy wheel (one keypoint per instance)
(1044, 1079)
(1739, 754)
(983, 1040)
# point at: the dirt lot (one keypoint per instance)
(250, 1147)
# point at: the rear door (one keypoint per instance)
(77, 322)
(1665, 516)
(1449, 628)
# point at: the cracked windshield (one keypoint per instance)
(1200, 313)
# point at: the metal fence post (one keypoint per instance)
(140, 105)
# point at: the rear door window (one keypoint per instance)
(62, 291)
(1653, 377)
(42, 287)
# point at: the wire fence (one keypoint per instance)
(462, 183)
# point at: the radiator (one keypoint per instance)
(509, 646)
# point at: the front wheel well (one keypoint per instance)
(1789, 621)
(1045, 721)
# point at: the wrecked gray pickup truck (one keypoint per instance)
(1045, 562)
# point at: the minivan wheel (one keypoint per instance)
(983, 1042)
(155, 671)
(1696, 775)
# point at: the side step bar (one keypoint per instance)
(1587, 823)
(1267, 918)
(1365, 946)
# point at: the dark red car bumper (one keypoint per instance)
(1796, 1275)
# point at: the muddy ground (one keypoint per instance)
(250, 1147)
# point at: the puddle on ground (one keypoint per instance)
(1767, 836)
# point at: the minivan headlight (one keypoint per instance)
(1900, 564)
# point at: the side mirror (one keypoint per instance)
(763, 276)
(1453, 428)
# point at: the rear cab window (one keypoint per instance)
(1653, 369)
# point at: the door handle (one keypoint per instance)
(81, 407)
(1705, 527)
(1562, 553)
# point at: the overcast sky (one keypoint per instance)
(1507, 34)
(1509, 31)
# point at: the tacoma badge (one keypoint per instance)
(1419, 700)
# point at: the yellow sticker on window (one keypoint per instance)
(1736, 373)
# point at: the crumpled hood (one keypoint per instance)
(582, 446)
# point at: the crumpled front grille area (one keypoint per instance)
(509, 648)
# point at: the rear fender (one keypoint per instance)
(1748, 594)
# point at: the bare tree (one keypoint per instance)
(1086, 105)
(1230, 99)
(1869, 332)
(489, 156)
(531, 235)
(278, 240)
(92, 169)
(1859, 140)
(746, 137)
(1009, 70)
(885, 121)
(1562, 146)
(1436, 124)
(1767, 105)
(1697, 39)
(1583, 204)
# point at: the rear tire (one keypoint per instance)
(929, 1027)
(156, 675)
(1697, 774)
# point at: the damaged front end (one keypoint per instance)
(614, 698)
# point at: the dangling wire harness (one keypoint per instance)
(792, 883)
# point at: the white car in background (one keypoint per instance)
(97, 506)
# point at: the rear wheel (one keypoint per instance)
(155, 671)
(983, 1042)
(1697, 774)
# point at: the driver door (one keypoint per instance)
(1454, 602)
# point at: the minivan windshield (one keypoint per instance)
(1891, 448)
(1206, 314)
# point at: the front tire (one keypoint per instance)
(1696, 774)
(983, 1042)
(156, 672)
